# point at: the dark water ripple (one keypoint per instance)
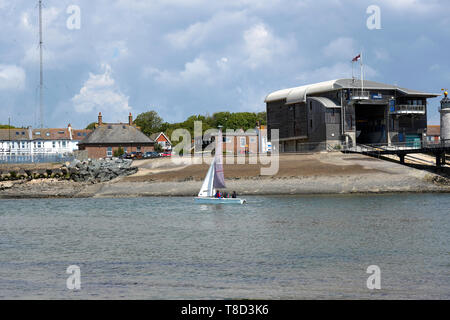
(273, 248)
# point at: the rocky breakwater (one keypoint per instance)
(101, 170)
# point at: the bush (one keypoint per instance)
(118, 152)
(158, 147)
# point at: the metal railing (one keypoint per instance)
(28, 151)
(35, 158)
(407, 109)
(357, 94)
(310, 147)
(400, 146)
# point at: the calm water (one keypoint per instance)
(315, 247)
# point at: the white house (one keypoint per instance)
(47, 141)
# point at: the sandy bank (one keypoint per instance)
(327, 173)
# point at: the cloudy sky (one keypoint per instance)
(184, 57)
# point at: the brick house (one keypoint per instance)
(162, 140)
(109, 137)
(245, 142)
(433, 133)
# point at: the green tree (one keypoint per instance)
(149, 122)
(5, 126)
(91, 126)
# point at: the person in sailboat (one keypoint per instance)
(218, 194)
(234, 195)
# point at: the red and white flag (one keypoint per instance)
(356, 58)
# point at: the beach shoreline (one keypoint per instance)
(306, 174)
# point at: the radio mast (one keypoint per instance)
(41, 71)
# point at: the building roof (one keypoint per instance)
(328, 103)
(51, 134)
(433, 130)
(298, 94)
(15, 134)
(116, 133)
(156, 135)
(80, 134)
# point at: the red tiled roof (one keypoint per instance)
(80, 134)
(51, 134)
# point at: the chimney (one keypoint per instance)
(130, 119)
(100, 122)
(69, 127)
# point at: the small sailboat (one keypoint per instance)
(215, 179)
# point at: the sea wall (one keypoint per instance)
(79, 171)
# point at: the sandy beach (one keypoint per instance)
(319, 173)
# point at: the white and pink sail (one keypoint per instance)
(215, 178)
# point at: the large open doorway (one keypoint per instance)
(370, 123)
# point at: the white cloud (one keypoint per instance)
(341, 48)
(416, 6)
(222, 63)
(12, 77)
(382, 54)
(195, 70)
(112, 50)
(336, 71)
(261, 46)
(100, 93)
(222, 23)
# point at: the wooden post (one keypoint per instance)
(438, 159)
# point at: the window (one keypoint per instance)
(242, 141)
(47, 134)
(17, 133)
(79, 134)
(138, 149)
(54, 144)
(38, 133)
(109, 152)
(310, 123)
(125, 149)
(64, 144)
(39, 144)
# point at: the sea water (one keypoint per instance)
(274, 247)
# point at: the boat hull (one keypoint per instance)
(210, 200)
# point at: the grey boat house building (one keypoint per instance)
(347, 111)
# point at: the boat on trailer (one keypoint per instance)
(215, 179)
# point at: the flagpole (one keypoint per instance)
(362, 75)
(353, 73)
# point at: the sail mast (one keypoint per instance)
(219, 178)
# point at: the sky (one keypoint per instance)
(186, 57)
